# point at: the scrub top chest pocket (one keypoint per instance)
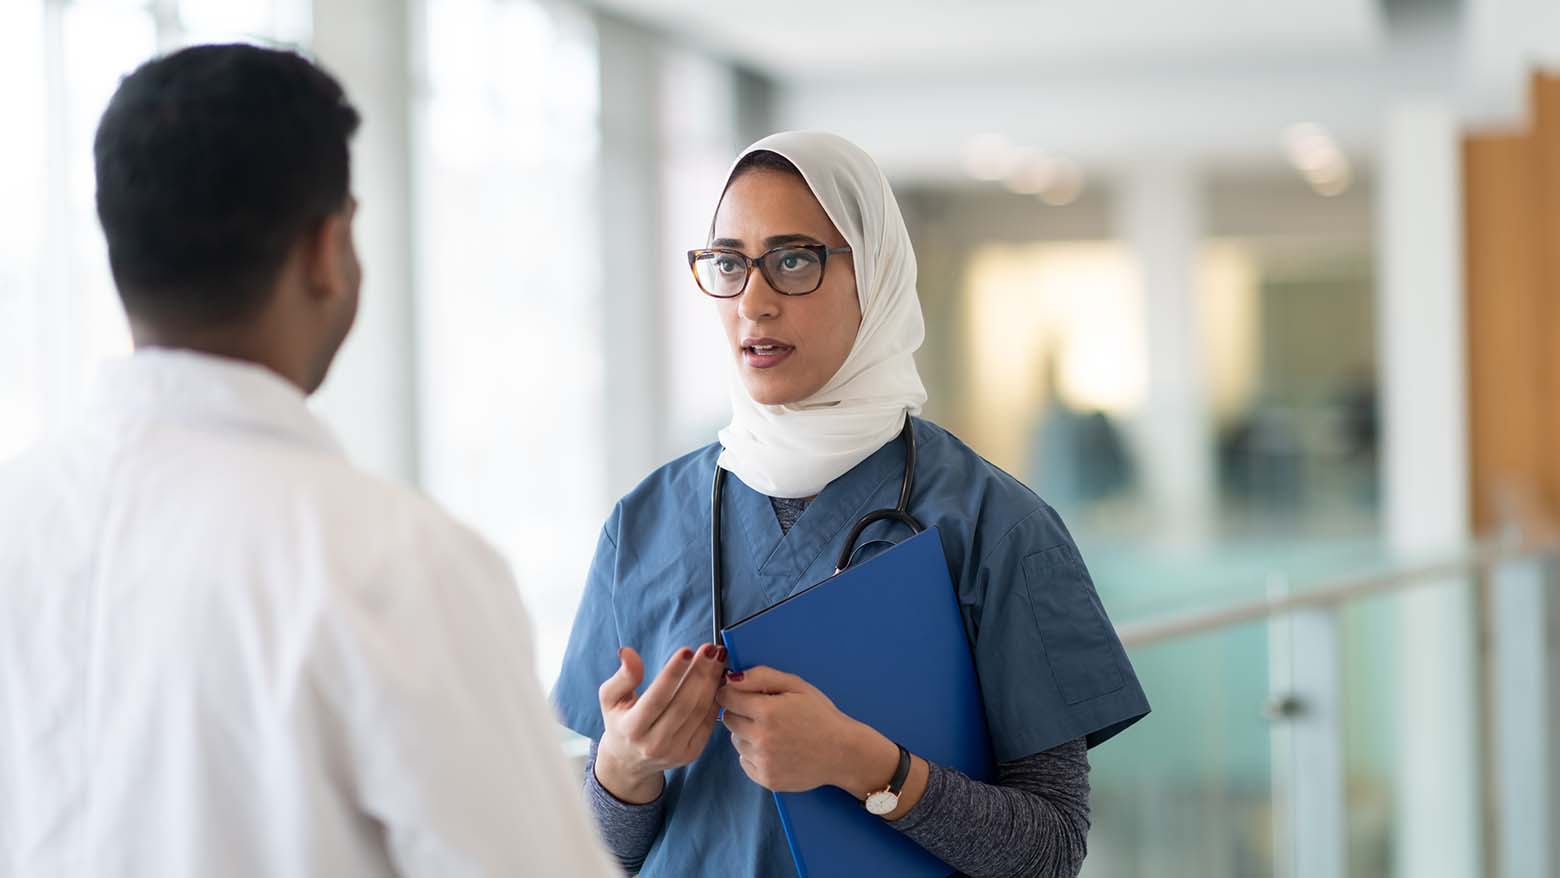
(1079, 645)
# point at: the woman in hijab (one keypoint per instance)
(813, 277)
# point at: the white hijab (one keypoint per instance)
(794, 450)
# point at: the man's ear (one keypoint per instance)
(328, 249)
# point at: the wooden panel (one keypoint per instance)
(1507, 409)
(1546, 130)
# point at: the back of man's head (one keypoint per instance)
(213, 163)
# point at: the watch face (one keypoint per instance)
(882, 803)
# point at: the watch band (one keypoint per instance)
(902, 773)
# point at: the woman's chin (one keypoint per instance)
(766, 391)
(773, 398)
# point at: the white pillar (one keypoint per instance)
(1160, 218)
(1425, 488)
(369, 398)
(631, 220)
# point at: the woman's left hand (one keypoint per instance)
(792, 738)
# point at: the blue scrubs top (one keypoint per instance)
(1050, 666)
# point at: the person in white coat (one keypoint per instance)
(224, 650)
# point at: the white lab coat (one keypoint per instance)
(226, 652)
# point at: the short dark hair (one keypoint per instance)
(765, 160)
(211, 163)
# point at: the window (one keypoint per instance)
(509, 293)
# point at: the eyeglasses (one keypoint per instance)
(792, 270)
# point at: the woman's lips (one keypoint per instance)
(765, 354)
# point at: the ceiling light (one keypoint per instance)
(1066, 186)
(1034, 174)
(1315, 154)
(989, 157)
(1335, 181)
(1309, 146)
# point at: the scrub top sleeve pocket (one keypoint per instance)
(1080, 644)
(1051, 667)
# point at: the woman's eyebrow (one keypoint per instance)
(782, 240)
(772, 241)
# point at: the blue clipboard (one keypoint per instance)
(885, 641)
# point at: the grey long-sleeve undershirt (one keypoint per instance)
(1033, 822)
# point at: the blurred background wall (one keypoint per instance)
(1263, 297)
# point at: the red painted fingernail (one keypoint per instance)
(720, 654)
(734, 676)
(684, 654)
(708, 651)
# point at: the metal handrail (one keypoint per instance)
(1333, 593)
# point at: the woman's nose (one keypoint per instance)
(759, 301)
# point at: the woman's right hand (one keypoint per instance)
(666, 727)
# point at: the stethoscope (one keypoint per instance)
(899, 513)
